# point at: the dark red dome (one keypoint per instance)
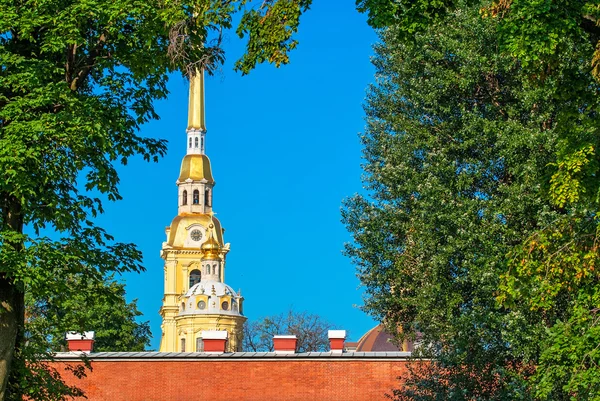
(379, 340)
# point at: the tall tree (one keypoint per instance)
(77, 81)
(459, 151)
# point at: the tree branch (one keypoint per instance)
(91, 62)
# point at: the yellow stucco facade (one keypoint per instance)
(196, 298)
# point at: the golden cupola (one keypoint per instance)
(196, 298)
(196, 168)
(211, 249)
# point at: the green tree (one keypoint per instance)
(538, 33)
(310, 331)
(100, 307)
(77, 81)
(459, 153)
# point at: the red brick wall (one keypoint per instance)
(261, 380)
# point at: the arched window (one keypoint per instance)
(196, 142)
(214, 269)
(190, 141)
(207, 197)
(184, 197)
(196, 199)
(182, 306)
(194, 277)
(201, 143)
(183, 345)
(199, 345)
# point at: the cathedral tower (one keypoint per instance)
(196, 297)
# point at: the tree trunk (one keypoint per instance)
(12, 297)
(11, 319)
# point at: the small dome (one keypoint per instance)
(211, 287)
(196, 167)
(211, 297)
(211, 246)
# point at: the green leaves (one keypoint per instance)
(482, 187)
(408, 16)
(97, 303)
(269, 29)
(78, 79)
(566, 184)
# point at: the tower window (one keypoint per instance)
(183, 345)
(214, 269)
(201, 143)
(194, 277)
(184, 197)
(182, 306)
(196, 142)
(196, 199)
(190, 142)
(225, 305)
(207, 197)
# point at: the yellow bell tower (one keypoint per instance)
(196, 297)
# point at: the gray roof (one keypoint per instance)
(229, 355)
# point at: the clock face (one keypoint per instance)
(196, 235)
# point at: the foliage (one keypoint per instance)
(100, 307)
(77, 81)
(470, 172)
(537, 32)
(310, 331)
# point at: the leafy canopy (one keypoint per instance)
(77, 81)
(462, 236)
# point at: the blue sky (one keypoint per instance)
(285, 152)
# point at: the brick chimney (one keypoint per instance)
(284, 344)
(336, 340)
(80, 342)
(214, 341)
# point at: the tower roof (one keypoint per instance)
(179, 225)
(196, 167)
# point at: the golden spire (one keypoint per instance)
(196, 103)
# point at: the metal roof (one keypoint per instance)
(229, 355)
